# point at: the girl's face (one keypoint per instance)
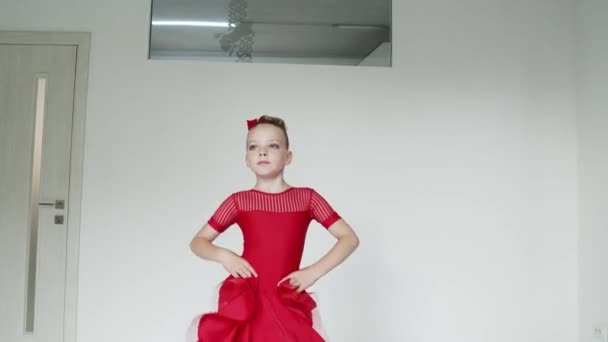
(267, 153)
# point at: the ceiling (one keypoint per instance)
(280, 28)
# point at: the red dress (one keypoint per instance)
(274, 227)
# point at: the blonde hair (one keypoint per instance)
(275, 121)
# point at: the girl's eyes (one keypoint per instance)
(273, 146)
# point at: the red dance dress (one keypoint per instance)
(274, 227)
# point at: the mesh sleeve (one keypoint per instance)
(321, 211)
(225, 215)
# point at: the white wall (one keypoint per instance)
(593, 142)
(457, 167)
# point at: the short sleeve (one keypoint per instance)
(225, 215)
(321, 211)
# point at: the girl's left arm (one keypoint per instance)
(347, 242)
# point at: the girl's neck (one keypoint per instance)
(271, 185)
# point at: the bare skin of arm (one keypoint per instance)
(202, 245)
(347, 242)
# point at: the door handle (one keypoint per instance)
(58, 204)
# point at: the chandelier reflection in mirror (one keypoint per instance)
(339, 32)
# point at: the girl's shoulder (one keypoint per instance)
(290, 190)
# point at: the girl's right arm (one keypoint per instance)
(202, 245)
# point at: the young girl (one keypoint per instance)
(264, 298)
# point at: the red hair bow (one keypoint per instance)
(251, 123)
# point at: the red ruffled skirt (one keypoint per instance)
(248, 312)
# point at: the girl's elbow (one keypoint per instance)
(195, 245)
(350, 239)
(355, 242)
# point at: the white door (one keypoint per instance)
(36, 110)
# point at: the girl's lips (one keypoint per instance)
(263, 163)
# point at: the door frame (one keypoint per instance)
(82, 42)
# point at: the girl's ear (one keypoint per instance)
(289, 158)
